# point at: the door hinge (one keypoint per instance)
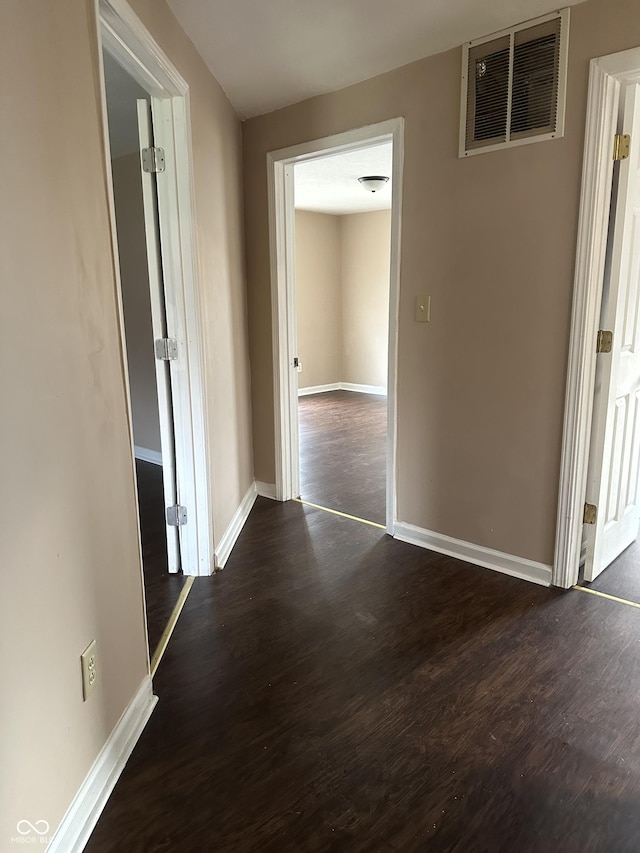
(604, 341)
(621, 146)
(176, 515)
(153, 159)
(590, 514)
(166, 349)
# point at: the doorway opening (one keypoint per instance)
(149, 178)
(599, 506)
(611, 552)
(144, 316)
(345, 357)
(342, 265)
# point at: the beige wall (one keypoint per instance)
(70, 556)
(319, 298)
(134, 276)
(365, 245)
(69, 547)
(492, 239)
(342, 296)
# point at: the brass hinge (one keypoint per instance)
(590, 514)
(604, 341)
(621, 146)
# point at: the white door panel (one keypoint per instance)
(612, 482)
(158, 322)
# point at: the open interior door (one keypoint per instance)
(612, 480)
(159, 325)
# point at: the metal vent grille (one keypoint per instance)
(513, 86)
(488, 92)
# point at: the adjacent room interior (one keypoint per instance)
(342, 239)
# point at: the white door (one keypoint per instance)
(612, 480)
(159, 325)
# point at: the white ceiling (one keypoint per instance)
(269, 53)
(122, 93)
(330, 185)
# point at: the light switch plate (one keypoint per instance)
(423, 309)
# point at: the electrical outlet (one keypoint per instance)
(89, 661)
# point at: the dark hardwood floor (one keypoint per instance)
(161, 589)
(343, 452)
(336, 690)
(622, 577)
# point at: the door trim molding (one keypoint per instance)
(124, 36)
(282, 251)
(606, 74)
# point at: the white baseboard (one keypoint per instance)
(266, 490)
(147, 455)
(364, 389)
(517, 567)
(83, 813)
(319, 389)
(236, 524)
(343, 386)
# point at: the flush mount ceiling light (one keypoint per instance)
(373, 183)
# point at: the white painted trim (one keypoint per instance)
(282, 252)
(147, 455)
(343, 386)
(380, 390)
(394, 319)
(126, 38)
(82, 815)
(508, 564)
(225, 546)
(266, 490)
(319, 389)
(165, 402)
(605, 76)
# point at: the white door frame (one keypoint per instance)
(122, 34)
(607, 75)
(283, 305)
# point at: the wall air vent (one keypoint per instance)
(513, 85)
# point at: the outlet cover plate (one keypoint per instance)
(89, 662)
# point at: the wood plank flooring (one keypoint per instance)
(343, 452)
(336, 690)
(161, 589)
